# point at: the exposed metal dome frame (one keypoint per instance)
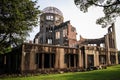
(53, 10)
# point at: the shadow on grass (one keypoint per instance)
(111, 73)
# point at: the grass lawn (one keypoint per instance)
(111, 73)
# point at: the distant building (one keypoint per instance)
(56, 48)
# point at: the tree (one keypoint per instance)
(111, 9)
(17, 19)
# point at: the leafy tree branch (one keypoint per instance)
(111, 9)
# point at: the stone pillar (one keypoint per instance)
(25, 61)
(86, 58)
(80, 59)
(108, 49)
(32, 60)
(50, 61)
(61, 58)
(98, 63)
(23, 58)
(68, 61)
(96, 58)
(114, 35)
(74, 61)
(43, 55)
(57, 58)
(108, 58)
(116, 58)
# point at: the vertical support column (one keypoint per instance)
(38, 61)
(114, 35)
(79, 59)
(114, 41)
(23, 58)
(108, 49)
(86, 58)
(43, 60)
(50, 61)
(69, 60)
(116, 58)
(96, 58)
(75, 60)
(4, 59)
(61, 58)
(32, 60)
(57, 58)
(108, 58)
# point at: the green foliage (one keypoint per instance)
(17, 19)
(111, 9)
(111, 73)
(5, 50)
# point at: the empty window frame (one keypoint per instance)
(49, 17)
(64, 32)
(57, 35)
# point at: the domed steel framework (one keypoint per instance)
(52, 10)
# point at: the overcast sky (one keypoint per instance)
(85, 23)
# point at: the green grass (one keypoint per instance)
(111, 73)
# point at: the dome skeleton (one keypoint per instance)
(52, 10)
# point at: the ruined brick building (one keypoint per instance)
(56, 48)
(53, 30)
